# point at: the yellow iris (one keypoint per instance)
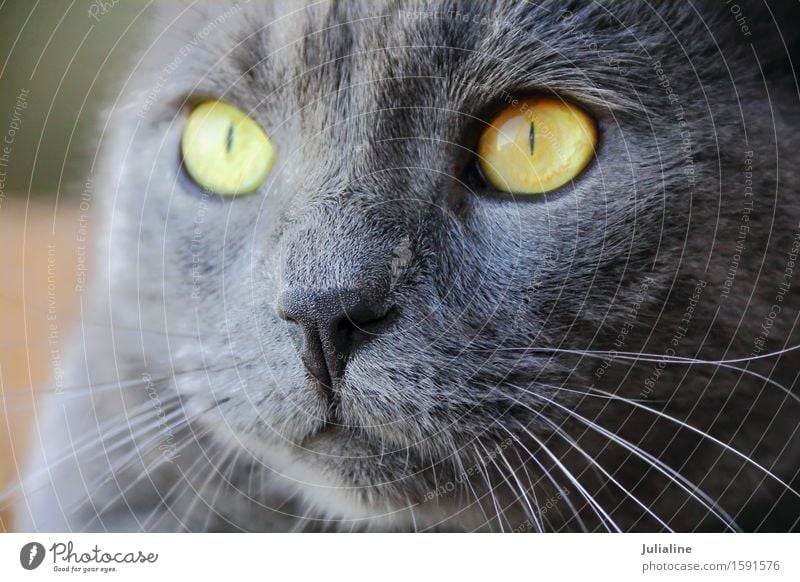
(225, 150)
(536, 146)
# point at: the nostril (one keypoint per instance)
(365, 313)
(334, 322)
(283, 312)
(367, 320)
(296, 333)
(356, 326)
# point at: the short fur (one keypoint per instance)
(583, 361)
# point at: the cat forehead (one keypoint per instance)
(464, 51)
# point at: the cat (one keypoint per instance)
(618, 354)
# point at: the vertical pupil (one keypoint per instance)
(229, 139)
(531, 137)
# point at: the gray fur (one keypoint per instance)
(375, 108)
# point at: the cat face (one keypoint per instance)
(377, 321)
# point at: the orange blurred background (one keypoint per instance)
(67, 60)
(37, 311)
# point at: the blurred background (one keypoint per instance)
(61, 63)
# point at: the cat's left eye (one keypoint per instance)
(225, 150)
(536, 145)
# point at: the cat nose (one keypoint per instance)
(334, 323)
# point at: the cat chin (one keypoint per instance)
(341, 478)
(330, 496)
(368, 507)
(335, 487)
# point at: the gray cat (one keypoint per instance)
(378, 336)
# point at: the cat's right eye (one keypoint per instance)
(226, 151)
(536, 146)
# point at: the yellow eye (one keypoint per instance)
(226, 151)
(536, 146)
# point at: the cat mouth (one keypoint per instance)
(326, 426)
(332, 417)
(324, 432)
(342, 424)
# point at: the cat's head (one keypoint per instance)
(377, 320)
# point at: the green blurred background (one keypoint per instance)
(70, 56)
